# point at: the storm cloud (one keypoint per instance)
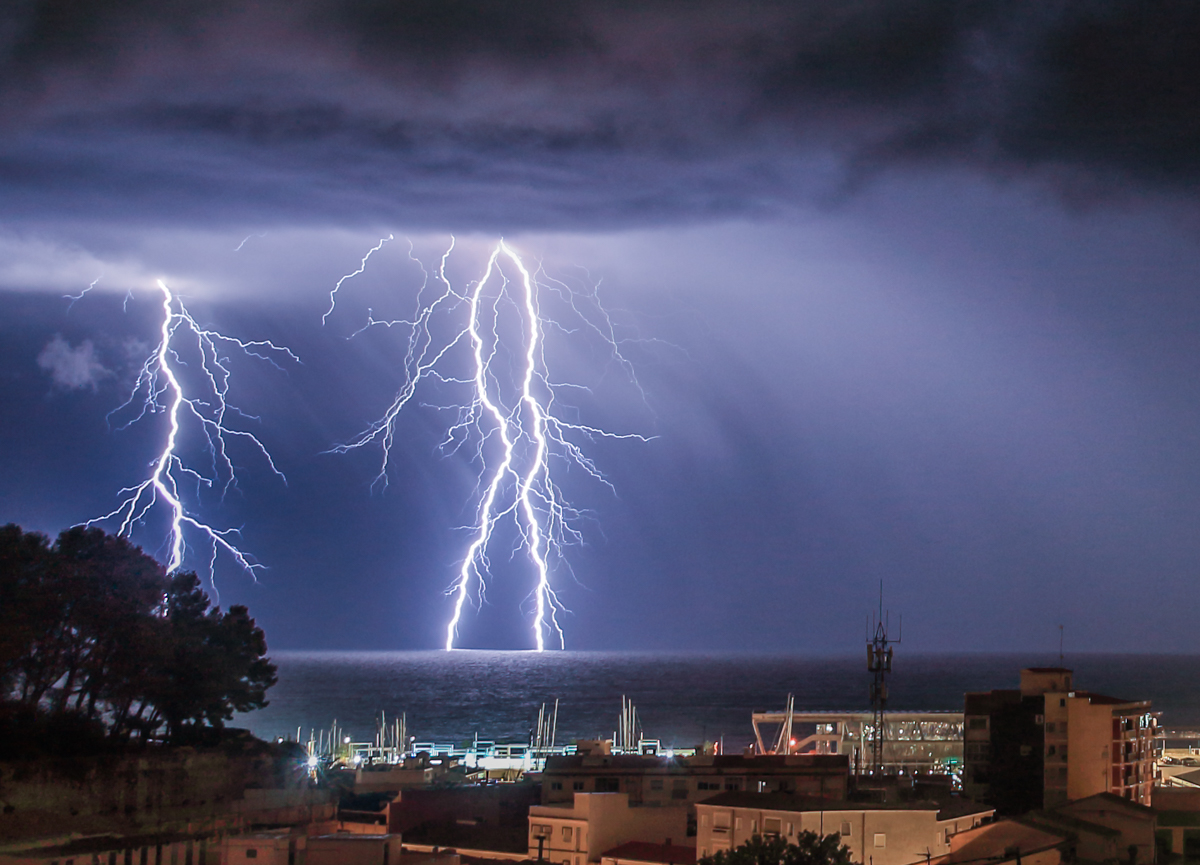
(577, 114)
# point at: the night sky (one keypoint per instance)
(911, 289)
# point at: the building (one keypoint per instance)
(655, 780)
(1048, 743)
(1005, 841)
(348, 849)
(1100, 828)
(492, 817)
(1104, 827)
(261, 848)
(913, 742)
(1177, 828)
(876, 833)
(593, 823)
(644, 853)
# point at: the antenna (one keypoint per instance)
(879, 663)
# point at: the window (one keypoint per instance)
(566, 833)
(1050, 751)
(977, 724)
(772, 826)
(847, 829)
(540, 830)
(733, 785)
(1049, 727)
(708, 785)
(880, 839)
(656, 783)
(577, 785)
(251, 852)
(1062, 704)
(608, 785)
(556, 785)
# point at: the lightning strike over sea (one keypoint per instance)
(487, 342)
(199, 399)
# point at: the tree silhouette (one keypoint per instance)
(93, 629)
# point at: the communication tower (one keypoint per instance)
(879, 664)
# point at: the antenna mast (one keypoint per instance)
(879, 663)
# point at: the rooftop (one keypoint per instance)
(787, 802)
(644, 851)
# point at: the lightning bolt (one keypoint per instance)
(510, 415)
(74, 298)
(159, 388)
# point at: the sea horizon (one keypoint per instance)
(683, 696)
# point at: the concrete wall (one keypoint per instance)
(1089, 762)
(181, 790)
(352, 850)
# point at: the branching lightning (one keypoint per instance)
(488, 342)
(159, 388)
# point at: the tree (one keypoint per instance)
(211, 664)
(92, 628)
(808, 848)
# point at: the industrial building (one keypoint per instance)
(912, 742)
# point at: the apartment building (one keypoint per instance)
(594, 823)
(878, 834)
(1048, 743)
(654, 780)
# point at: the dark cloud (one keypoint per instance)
(473, 113)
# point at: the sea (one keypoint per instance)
(682, 699)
